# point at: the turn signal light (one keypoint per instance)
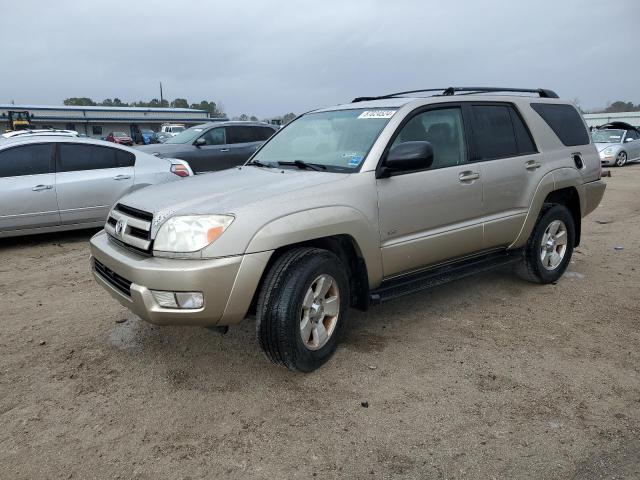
(180, 170)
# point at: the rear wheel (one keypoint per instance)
(302, 308)
(621, 159)
(550, 246)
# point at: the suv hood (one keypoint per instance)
(230, 192)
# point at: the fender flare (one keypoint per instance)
(323, 222)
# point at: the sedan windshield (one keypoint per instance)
(607, 136)
(186, 136)
(120, 134)
(337, 140)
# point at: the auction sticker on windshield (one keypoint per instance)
(377, 114)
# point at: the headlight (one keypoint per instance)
(190, 233)
(608, 151)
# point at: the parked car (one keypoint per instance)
(357, 204)
(120, 138)
(172, 129)
(56, 182)
(214, 146)
(618, 143)
(149, 137)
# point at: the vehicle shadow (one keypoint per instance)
(43, 239)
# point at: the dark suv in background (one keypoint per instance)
(214, 146)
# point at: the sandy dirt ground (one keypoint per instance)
(488, 377)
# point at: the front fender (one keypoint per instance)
(319, 223)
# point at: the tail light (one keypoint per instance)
(180, 170)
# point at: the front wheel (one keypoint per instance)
(302, 308)
(549, 249)
(621, 159)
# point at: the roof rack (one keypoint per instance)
(542, 92)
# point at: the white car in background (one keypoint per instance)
(62, 182)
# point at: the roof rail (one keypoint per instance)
(542, 92)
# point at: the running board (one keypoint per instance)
(416, 282)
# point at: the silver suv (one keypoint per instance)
(357, 204)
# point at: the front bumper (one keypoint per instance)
(228, 283)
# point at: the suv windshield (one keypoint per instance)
(188, 135)
(338, 139)
(607, 136)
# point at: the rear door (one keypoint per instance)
(89, 179)
(27, 187)
(512, 169)
(242, 141)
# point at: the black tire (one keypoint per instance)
(280, 302)
(531, 267)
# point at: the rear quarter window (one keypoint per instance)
(565, 121)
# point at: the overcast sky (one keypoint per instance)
(267, 58)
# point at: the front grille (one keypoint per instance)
(116, 281)
(130, 227)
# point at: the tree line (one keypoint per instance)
(215, 110)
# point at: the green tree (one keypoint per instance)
(253, 118)
(215, 111)
(620, 106)
(243, 117)
(288, 117)
(180, 103)
(107, 102)
(79, 101)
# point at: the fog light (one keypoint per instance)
(190, 299)
(187, 300)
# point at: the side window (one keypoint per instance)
(565, 121)
(239, 134)
(125, 159)
(26, 160)
(523, 137)
(443, 128)
(632, 134)
(96, 130)
(262, 133)
(74, 157)
(493, 132)
(215, 136)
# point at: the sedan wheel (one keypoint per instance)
(621, 159)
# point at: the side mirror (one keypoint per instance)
(407, 156)
(200, 142)
(629, 140)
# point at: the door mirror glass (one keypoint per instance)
(629, 139)
(417, 155)
(200, 142)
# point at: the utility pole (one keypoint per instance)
(161, 97)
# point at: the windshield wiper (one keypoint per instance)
(258, 163)
(304, 165)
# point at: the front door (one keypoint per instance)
(215, 154)
(27, 188)
(433, 215)
(89, 179)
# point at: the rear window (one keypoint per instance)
(74, 157)
(262, 133)
(565, 121)
(242, 134)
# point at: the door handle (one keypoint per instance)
(122, 177)
(37, 188)
(532, 165)
(224, 150)
(468, 176)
